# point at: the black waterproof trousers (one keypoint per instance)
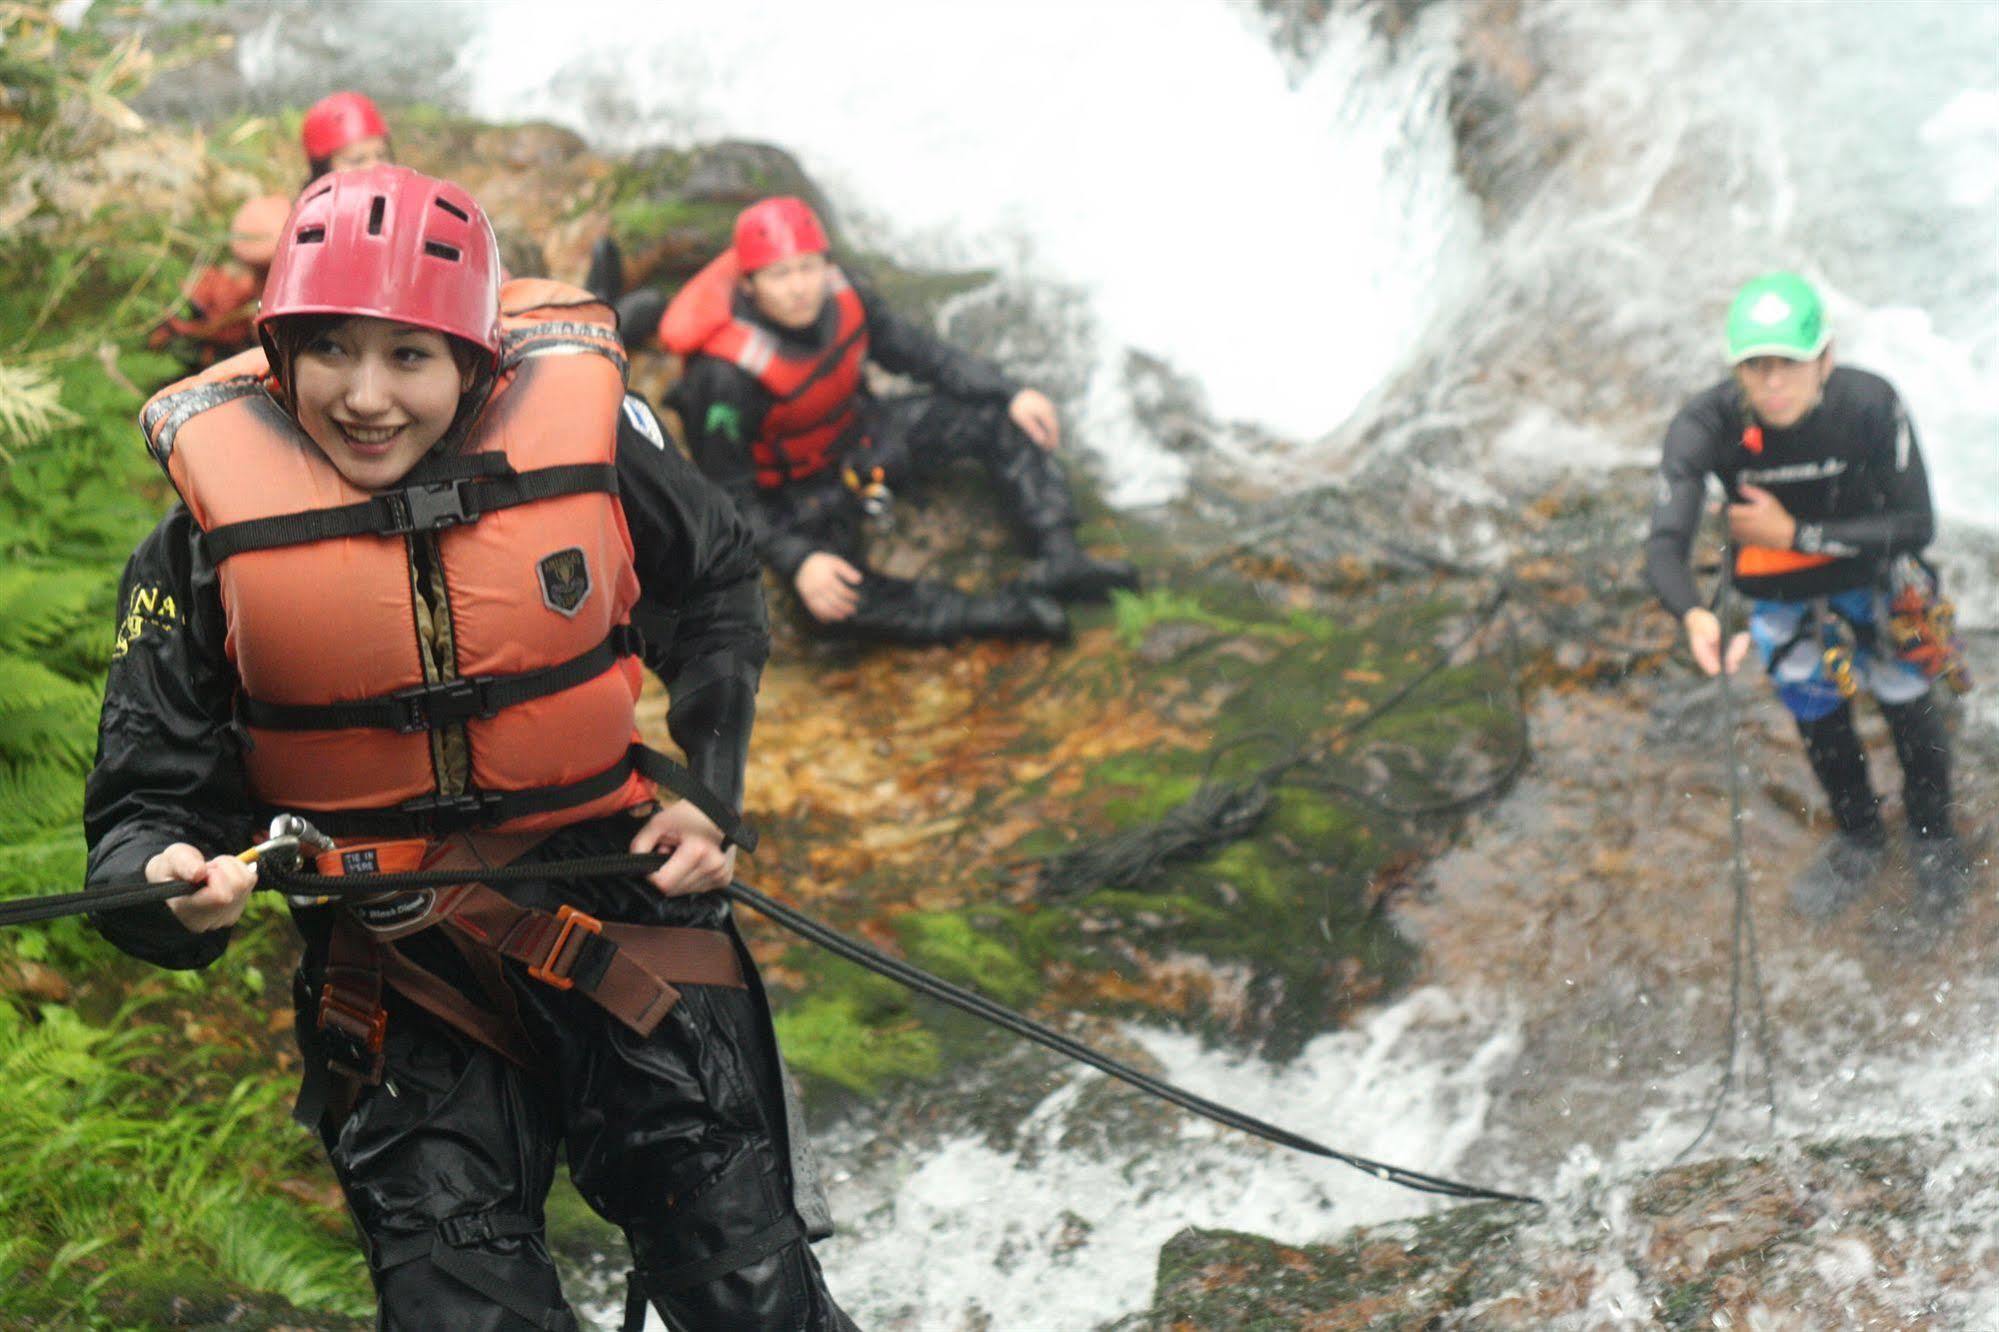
(680, 1139)
(1921, 744)
(912, 439)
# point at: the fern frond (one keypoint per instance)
(43, 607)
(43, 716)
(30, 408)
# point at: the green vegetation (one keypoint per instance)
(148, 1173)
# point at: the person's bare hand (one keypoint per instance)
(829, 586)
(226, 883)
(1704, 639)
(1036, 416)
(698, 864)
(1760, 519)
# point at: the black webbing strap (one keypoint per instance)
(424, 507)
(697, 793)
(443, 1246)
(441, 815)
(754, 1249)
(431, 707)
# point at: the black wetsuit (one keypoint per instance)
(679, 1138)
(910, 438)
(1851, 473)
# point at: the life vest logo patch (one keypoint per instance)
(565, 580)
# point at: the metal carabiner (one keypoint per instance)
(289, 840)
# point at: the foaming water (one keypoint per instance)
(1063, 1228)
(1684, 148)
(1280, 241)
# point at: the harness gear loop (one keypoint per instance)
(1922, 623)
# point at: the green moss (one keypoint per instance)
(855, 1037)
(640, 221)
(977, 950)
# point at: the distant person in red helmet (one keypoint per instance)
(341, 132)
(220, 301)
(418, 529)
(779, 415)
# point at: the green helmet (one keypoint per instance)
(1777, 314)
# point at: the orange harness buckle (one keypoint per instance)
(353, 1035)
(551, 970)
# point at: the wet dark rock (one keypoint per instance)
(739, 172)
(1825, 1236)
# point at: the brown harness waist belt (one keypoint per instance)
(628, 970)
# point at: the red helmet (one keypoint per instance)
(387, 242)
(774, 229)
(338, 120)
(254, 231)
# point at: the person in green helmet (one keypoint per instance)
(1827, 492)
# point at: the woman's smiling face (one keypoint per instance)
(376, 396)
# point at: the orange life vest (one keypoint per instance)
(527, 537)
(815, 399)
(224, 301)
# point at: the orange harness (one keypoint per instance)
(630, 971)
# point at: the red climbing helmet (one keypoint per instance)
(774, 229)
(338, 120)
(391, 243)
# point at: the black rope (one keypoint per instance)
(1744, 940)
(280, 874)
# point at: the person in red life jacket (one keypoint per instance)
(220, 301)
(341, 132)
(1828, 488)
(416, 530)
(778, 414)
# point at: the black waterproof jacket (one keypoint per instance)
(1850, 472)
(169, 762)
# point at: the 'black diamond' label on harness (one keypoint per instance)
(565, 580)
(391, 913)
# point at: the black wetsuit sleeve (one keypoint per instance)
(1905, 521)
(1691, 454)
(905, 348)
(701, 602)
(169, 766)
(722, 408)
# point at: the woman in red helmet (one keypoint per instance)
(398, 596)
(778, 413)
(342, 132)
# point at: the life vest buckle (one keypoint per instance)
(427, 508)
(426, 707)
(451, 813)
(557, 967)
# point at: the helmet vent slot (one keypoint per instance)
(322, 190)
(453, 209)
(441, 250)
(375, 211)
(311, 235)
